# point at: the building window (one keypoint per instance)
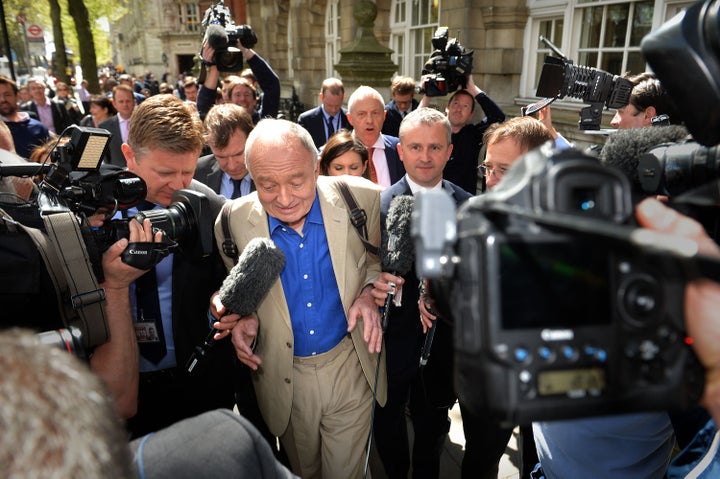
(412, 24)
(189, 14)
(332, 38)
(601, 34)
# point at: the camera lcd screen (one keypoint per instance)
(554, 284)
(570, 381)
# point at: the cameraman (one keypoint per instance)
(242, 92)
(466, 136)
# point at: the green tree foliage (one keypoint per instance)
(83, 27)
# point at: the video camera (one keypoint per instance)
(75, 185)
(448, 66)
(560, 78)
(220, 31)
(561, 308)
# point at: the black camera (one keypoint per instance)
(188, 222)
(559, 311)
(560, 78)
(448, 66)
(223, 35)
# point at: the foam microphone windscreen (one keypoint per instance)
(216, 36)
(624, 148)
(397, 252)
(257, 269)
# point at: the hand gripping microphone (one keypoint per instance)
(397, 253)
(243, 289)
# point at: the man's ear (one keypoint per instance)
(650, 113)
(129, 155)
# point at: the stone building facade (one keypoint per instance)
(303, 39)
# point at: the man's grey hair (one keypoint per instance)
(363, 92)
(57, 419)
(271, 131)
(425, 116)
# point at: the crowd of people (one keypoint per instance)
(312, 369)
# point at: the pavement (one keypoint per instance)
(451, 459)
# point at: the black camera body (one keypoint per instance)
(599, 89)
(557, 313)
(448, 66)
(224, 35)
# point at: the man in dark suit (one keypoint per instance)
(424, 148)
(51, 113)
(366, 113)
(167, 137)
(403, 102)
(119, 125)
(228, 126)
(322, 122)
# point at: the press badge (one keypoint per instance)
(146, 332)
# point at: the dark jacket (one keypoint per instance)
(393, 118)
(114, 154)
(395, 166)
(60, 116)
(208, 172)
(314, 122)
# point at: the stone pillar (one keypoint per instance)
(365, 61)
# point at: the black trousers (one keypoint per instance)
(485, 440)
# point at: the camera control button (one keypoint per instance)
(546, 354)
(521, 354)
(569, 353)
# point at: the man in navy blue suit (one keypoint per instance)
(322, 122)
(425, 148)
(366, 113)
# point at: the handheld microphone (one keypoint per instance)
(243, 289)
(216, 36)
(396, 248)
(624, 148)
(430, 335)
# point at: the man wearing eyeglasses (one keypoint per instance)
(466, 136)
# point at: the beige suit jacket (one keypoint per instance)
(354, 268)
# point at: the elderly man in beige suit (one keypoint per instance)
(313, 344)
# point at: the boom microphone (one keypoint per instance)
(257, 269)
(216, 36)
(396, 248)
(624, 148)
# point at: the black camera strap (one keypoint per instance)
(80, 298)
(358, 217)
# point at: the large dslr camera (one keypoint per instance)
(448, 67)
(560, 78)
(562, 309)
(75, 186)
(224, 36)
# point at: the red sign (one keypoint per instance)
(34, 31)
(21, 18)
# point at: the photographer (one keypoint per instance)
(163, 147)
(467, 137)
(242, 92)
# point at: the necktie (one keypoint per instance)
(330, 127)
(149, 328)
(237, 192)
(124, 129)
(372, 175)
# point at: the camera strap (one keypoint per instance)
(87, 298)
(80, 298)
(358, 217)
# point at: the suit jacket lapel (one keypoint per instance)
(336, 228)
